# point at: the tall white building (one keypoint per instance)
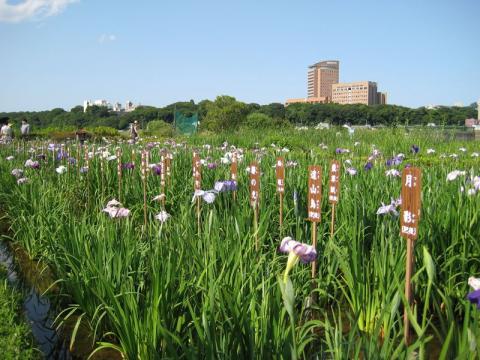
(100, 102)
(117, 107)
(129, 106)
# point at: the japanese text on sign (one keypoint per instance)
(280, 174)
(162, 173)
(411, 201)
(254, 184)
(334, 182)
(168, 164)
(234, 168)
(197, 176)
(314, 193)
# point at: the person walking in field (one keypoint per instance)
(134, 131)
(25, 129)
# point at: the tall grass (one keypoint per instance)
(169, 290)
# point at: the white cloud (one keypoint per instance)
(31, 9)
(106, 37)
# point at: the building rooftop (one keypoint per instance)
(325, 63)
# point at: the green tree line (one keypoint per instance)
(226, 113)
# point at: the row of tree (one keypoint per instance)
(226, 113)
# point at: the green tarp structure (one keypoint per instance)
(184, 124)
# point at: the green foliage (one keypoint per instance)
(224, 114)
(98, 111)
(102, 131)
(15, 336)
(160, 128)
(160, 290)
(258, 120)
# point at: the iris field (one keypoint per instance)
(173, 289)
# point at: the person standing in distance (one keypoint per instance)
(25, 129)
(134, 131)
(6, 132)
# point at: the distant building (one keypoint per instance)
(474, 123)
(86, 104)
(323, 87)
(470, 123)
(309, 100)
(101, 102)
(363, 92)
(321, 77)
(130, 106)
(117, 107)
(381, 98)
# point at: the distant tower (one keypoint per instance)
(321, 77)
(86, 104)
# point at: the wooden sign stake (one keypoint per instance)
(255, 197)
(197, 183)
(78, 159)
(314, 244)
(53, 154)
(280, 174)
(119, 174)
(409, 219)
(334, 191)
(234, 173)
(168, 168)
(162, 178)
(144, 180)
(314, 205)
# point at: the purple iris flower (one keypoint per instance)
(474, 298)
(415, 149)
(129, 166)
(61, 155)
(227, 185)
(32, 164)
(306, 253)
(341, 151)
(72, 160)
(41, 157)
(394, 161)
(368, 166)
(212, 165)
(157, 169)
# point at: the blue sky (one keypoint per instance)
(57, 53)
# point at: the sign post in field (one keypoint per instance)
(234, 172)
(255, 197)
(197, 182)
(280, 175)
(119, 173)
(314, 205)
(144, 181)
(163, 174)
(168, 167)
(409, 219)
(334, 190)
